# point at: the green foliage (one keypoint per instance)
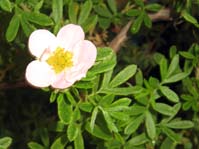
(144, 96)
(5, 142)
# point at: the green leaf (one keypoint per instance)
(150, 125)
(112, 5)
(86, 106)
(90, 23)
(133, 124)
(106, 79)
(153, 82)
(172, 51)
(171, 134)
(106, 100)
(167, 92)
(72, 131)
(176, 77)
(93, 118)
(163, 68)
(60, 142)
(73, 11)
(187, 55)
(70, 98)
(5, 142)
(104, 53)
(38, 6)
(44, 136)
(64, 111)
(98, 132)
(173, 66)
(168, 143)
(103, 11)
(123, 75)
(104, 65)
(137, 109)
(104, 23)
(121, 102)
(139, 78)
(139, 3)
(13, 28)
(137, 23)
(76, 116)
(137, 140)
(109, 121)
(180, 124)
(84, 84)
(57, 10)
(34, 145)
(118, 108)
(121, 90)
(79, 141)
(189, 17)
(6, 5)
(85, 11)
(26, 26)
(133, 12)
(187, 105)
(153, 7)
(57, 127)
(122, 116)
(53, 96)
(38, 18)
(147, 21)
(164, 109)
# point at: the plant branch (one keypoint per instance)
(116, 43)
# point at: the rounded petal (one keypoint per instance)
(85, 53)
(75, 73)
(39, 41)
(39, 74)
(69, 35)
(60, 81)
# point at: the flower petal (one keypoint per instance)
(69, 35)
(85, 53)
(75, 73)
(39, 41)
(60, 82)
(39, 74)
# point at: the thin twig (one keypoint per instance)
(116, 43)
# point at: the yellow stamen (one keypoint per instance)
(60, 59)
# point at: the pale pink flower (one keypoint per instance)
(60, 60)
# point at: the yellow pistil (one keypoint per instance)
(60, 59)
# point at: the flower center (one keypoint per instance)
(60, 59)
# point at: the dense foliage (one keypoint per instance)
(142, 92)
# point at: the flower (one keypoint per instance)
(60, 60)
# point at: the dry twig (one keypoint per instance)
(116, 43)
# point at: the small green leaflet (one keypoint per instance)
(5, 142)
(123, 75)
(180, 124)
(93, 118)
(6, 5)
(64, 111)
(13, 28)
(150, 125)
(171, 95)
(60, 142)
(85, 11)
(35, 145)
(72, 131)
